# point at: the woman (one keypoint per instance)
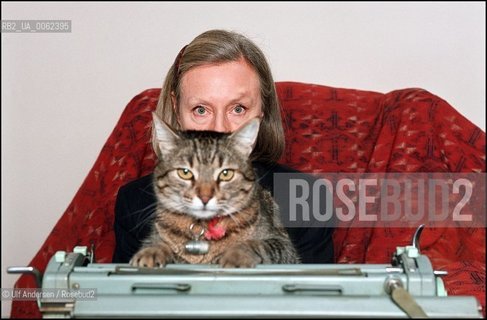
(217, 82)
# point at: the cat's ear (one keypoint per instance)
(164, 138)
(246, 136)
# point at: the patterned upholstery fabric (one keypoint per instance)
(328, 130)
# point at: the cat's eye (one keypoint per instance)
(226, 175)
(185, 174)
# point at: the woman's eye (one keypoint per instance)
(226, 175)
(239, 109)
(200, 110)
(185, 174)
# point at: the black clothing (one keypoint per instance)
(136, 203)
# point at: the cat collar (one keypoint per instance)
(214, 231)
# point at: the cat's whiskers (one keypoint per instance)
(152, 211)
(178, 207)
(234, 220)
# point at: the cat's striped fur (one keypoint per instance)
(192, 186)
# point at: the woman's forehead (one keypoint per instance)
(235, 80)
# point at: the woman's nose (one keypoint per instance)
(221, 124)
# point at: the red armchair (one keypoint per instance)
(328, 130)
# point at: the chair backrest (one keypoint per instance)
(328, 129)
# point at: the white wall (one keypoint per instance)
(63, 93)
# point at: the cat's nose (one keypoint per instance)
(205, 192)
(205, 199)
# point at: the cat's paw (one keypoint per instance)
(151, 257)
(239, 257)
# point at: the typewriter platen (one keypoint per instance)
(408, 287)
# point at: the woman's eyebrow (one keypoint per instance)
(238, 98)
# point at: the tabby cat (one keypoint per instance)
(210, 207)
